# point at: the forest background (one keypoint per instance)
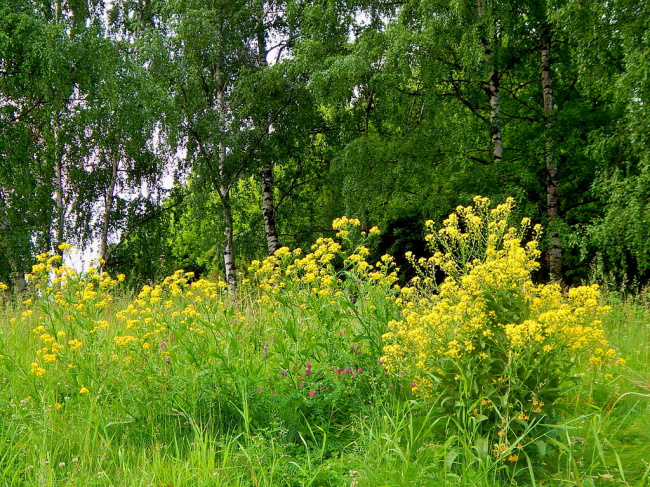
(274, 117)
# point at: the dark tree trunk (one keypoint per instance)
(8, 249)
(552, 197)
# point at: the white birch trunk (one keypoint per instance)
(224, 194)
(494, 95)
(228, 254)
(268, 210)
(495, 109)
(268, 199)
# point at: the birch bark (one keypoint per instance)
(268, 209)
(224, 194)
(268, 200)
(493, 92)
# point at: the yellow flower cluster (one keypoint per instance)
(488, 306)
(50, 277)
(54, 349)
(70, 306)
(487, 336)
(147, 321)
(319, 273)
(122, 341)
(571, 323)
(478, 235)
(63, 301)
(37, 370)
(344, 221)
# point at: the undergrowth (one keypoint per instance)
(296, 382)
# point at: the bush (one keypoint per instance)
(496, 351)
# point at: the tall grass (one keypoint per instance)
(287, 390)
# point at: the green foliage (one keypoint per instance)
(380, 111)
(619, 237)
(78, 118)
(179, 385)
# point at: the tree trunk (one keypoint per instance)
(224, 194)
(552, 198)
(261, 38)
(268, 211)
(58, 193)
(108, 207)
(228, 254)
(494, 94)
(268, 204)
(495, 108)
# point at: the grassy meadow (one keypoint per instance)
(325, 372)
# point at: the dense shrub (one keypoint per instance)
(496, 350)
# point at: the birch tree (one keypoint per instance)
(34, 93)
(63, 79)
(275, 98)
(195, 51)
(492, 89)
(268, 206)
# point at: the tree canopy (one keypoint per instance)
(206, 134)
